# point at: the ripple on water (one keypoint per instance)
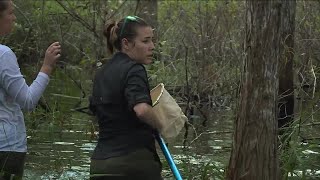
(63, 143)
(309, 152)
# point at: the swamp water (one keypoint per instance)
(56, 153)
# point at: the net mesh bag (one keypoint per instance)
(168, 111)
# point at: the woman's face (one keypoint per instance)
(7, 19)
(141, 47)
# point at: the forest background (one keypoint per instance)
(200, 57)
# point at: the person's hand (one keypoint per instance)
(52, 54)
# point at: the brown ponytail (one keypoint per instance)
(110, 32)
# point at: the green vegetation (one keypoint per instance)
(199, 44)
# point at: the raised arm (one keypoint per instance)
(15, 85)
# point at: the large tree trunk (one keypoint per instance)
(286, 89)
(254, 152)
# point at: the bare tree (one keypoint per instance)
(286, 89)
(254, 152)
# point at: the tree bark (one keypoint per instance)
(254, 152)
(286, 89)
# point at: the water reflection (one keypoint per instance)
(65, 153)
(59, 155)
